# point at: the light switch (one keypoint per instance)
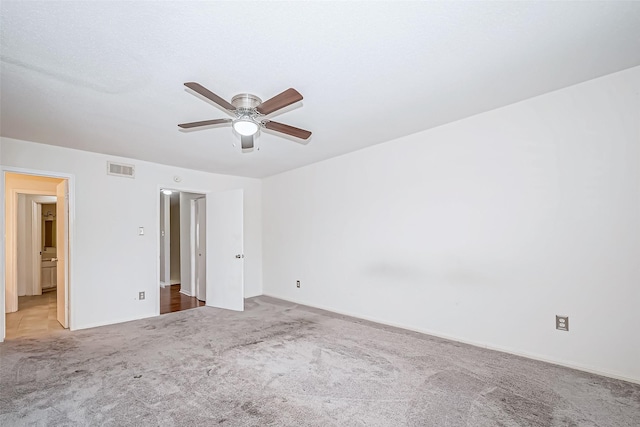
(140, 231)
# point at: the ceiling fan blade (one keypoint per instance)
(247, 141)
(204, 123)
(287, 97)
(289, 130)
(210, 95)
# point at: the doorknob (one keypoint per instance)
(240, 256)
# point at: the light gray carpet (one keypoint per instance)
(282, 364)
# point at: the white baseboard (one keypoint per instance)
(566, 364)
(171, 283)
(111, 322)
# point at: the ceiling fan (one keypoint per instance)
(249, 113)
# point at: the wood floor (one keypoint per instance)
(172, 300)
(36, 316)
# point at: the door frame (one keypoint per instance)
(193, 248)
(165, 241)
(36, 240)
(71, 180)
(195, 242)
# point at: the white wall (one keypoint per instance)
(481, 230)
(111, 263)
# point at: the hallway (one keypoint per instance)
(172, 300)
(36, 316)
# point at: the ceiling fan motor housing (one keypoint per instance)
(246, 101)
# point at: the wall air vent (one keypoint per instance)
(119, 169)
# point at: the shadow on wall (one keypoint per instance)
(453, 271)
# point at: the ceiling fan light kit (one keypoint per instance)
(250, 113)
(245, 126)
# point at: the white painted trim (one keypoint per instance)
(480, 344)
(192, 247)
(36, 244)
(183, 292)
(165, 227)
(11, 304)
(3, 257)
(36, 240)
(71, 179)
(170, 283)
(114, 321)
(158, 252)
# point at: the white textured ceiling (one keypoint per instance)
(108, 76)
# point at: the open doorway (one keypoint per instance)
(38, 253)
(36, 257)
(182, 250)
(211, 247)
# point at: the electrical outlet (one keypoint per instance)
(297, 283)
(141, 295)
(562, 323)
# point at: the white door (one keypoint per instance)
(201, 249)
(62, 239)
(225, 257)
